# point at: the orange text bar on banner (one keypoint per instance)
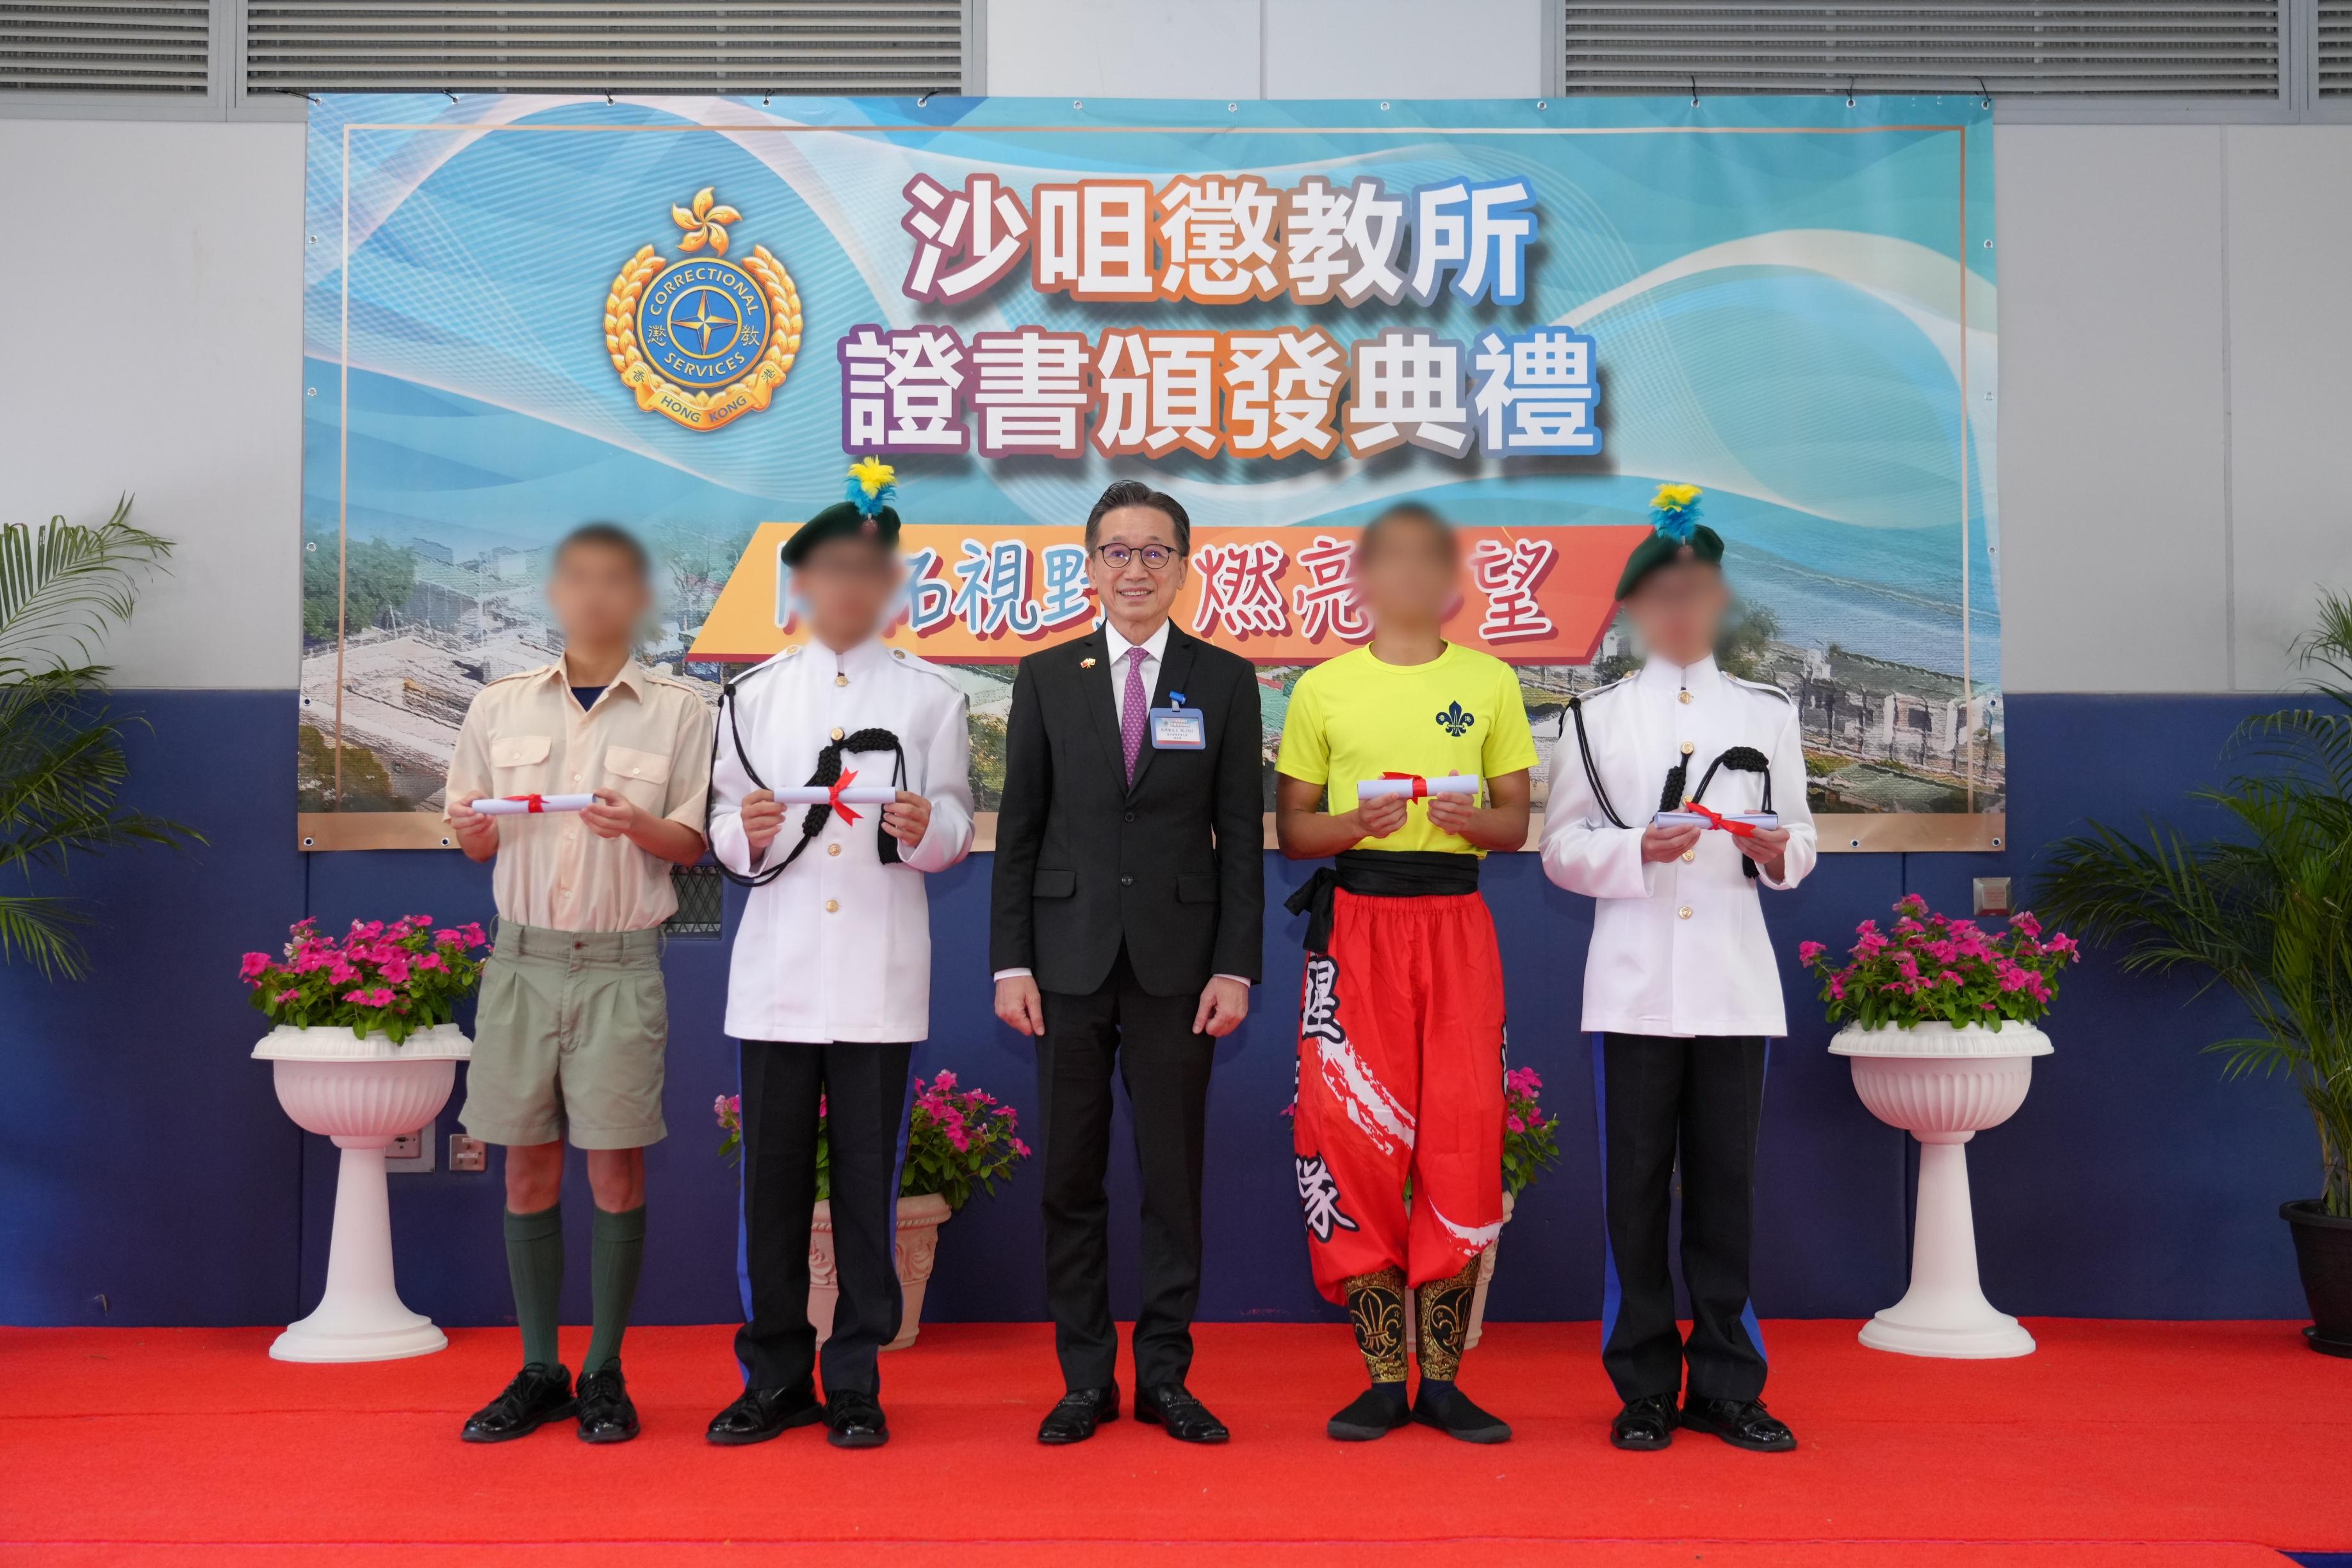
(1277, 596)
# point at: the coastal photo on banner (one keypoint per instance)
(692, 316)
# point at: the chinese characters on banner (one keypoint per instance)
(1211, 240)
(1278, 595)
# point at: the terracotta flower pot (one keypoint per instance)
(919, 1219)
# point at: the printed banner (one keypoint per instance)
(691, 315)
(1278, 595)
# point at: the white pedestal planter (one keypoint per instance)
(917, 1248)
(363, 1094)
(1944, 1085)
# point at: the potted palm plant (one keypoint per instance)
(2265, 911)
(62, 587)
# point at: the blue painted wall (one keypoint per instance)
(147, 1176)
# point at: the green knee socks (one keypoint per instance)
(535, 1264)
(618, 1251)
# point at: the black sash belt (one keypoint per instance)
(1379, 874)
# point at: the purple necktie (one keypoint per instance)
(1131, 711)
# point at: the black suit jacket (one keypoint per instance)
(1174, 868)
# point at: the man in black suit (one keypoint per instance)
(1129, 891)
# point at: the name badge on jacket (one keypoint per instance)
(1177, 728)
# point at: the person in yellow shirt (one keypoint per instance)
(1400, 1018)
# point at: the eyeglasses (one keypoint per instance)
(1155, 557)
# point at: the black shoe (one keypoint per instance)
(1450, 1411)
(1171, 1404)
(1375, 1413)
(1081, 1410)
(1742, 1423)
(853, 1420)
(538, 1395)
(606, 1415)
(1645, 1423)
(765, 1413)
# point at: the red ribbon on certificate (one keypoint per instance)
(1420, 785)
(839, 805)
(530, 802)
(1717, 819)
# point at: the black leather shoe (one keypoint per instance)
(538, 1395)
(1081, 1410)
(1742, 1423)
(1645, 1423)
(1171, 1404)
(606, 1414)
(765, 1413)
(853, 1420)
(1375, 1413)
(1451, 1412)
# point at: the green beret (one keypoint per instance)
(1664, 550)
(841, 521)
(866, 513)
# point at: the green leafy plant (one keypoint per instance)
(959, 1140)
(1530, 1135)
(62, 586)
(2266, 911)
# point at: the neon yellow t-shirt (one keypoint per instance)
(1355, 718)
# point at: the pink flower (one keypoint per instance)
(1911, 904)
(359, 996)
(1516, 1124)
(1020, 1148)
(395, 969)
(1837, 989)
(343, 973)
(2024, 921)
(946, 1080)
(1809, 951)
(471, 933)
(285, 997)
(2064, 944)
(252, 967)
(431, 961)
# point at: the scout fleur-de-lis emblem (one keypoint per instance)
(703, 340)
(1453, 721)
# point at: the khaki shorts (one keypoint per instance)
(569, 1037)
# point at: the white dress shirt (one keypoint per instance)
(1154, 646)
(839, 946)
(1679, 949)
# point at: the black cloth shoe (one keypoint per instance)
(1081, 1410)
(606, 1414)
(765, 1413)
(854, 1420)
(1375, 1413)
(1645, 1423)
(1742, 1423)
(1171, 1404)
(538, 1395)
(1449, 1410)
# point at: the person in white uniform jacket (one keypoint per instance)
(1676, 795)
(829, 984)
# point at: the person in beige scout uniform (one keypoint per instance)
(574, 1021)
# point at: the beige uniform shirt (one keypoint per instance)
(648, 737)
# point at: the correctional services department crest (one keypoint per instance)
(703, 340)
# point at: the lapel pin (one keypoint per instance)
(1085, 664)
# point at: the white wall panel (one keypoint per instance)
(1123, 48)
(1408, 49)
(154, 276)
(2289, 212)
(2113, 569)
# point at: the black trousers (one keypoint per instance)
(1699, 1098)
(865, 1089)
(1165, 1067)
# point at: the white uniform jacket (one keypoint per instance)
(839, 946)
(1679, 949)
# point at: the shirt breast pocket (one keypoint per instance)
(641, 776)
(518, 763)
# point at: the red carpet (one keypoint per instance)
(2151, 1445)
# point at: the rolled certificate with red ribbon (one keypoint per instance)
(532, 804)
(1739, 824)
(839, 795)
(1412, 786)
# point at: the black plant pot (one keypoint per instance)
(2323, 1250)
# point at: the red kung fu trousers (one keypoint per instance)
(1400, 1079)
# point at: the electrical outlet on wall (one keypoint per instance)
(411, 1152)
(468, 1154)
